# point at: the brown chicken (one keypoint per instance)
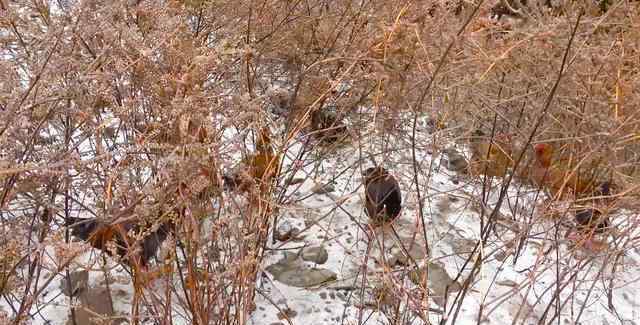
(490, 157)
(592, 219)
(383, 198)
(327, 127)
(560, 174)
(590, 223)
(260, 167)
(264, 163)
(98, 234)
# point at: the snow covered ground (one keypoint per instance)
(506, 290)
(514, 285)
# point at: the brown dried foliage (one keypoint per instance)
(126, 106)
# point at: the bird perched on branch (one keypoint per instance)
(383, 198)
(99, 234)
(563, 174)
(491, 157)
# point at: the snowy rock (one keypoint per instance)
(95, 305)
(76, 283)
(399, 256)
(438, 281)
(462, 246)
(322, 188)
(286, 231)
(287, 313)
(315, 254)
(296, 181)
(455, 161)
(303, 278)
(293, 272)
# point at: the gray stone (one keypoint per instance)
(462, 246)
(323, 188)
(95, 308)
(501, 255)
(286, 231)
(438, 280)
(294, 273)
(455, 161)
(315, 254)
(289, 257)
(77, 282)
(287, 313)
(508, 283)
(303, 278)
(295, 181)
(399, 256)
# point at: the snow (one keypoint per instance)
(503, 288)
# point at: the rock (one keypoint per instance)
(345, 284)
(296, 181)
(286, 231)
(77, 282)
(294, 273)
(304, 278)
(398, 257)
(508, 283)
(462, 246)
(322, 188)
(315, 254)
(438, 281)
(289, 258)
(287, 313)
(443, 204)
(501, 255)
(455, 161)
(95, 303)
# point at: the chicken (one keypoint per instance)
(520, 148)
(327, 127)
(560, 175)
(590, 222)
(591, 219)
(383, 198)
(490, 157)
(260, 167)
(98, 234)
(264, 163)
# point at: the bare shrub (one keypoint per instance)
(134, 110)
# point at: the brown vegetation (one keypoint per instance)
(104, 101)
